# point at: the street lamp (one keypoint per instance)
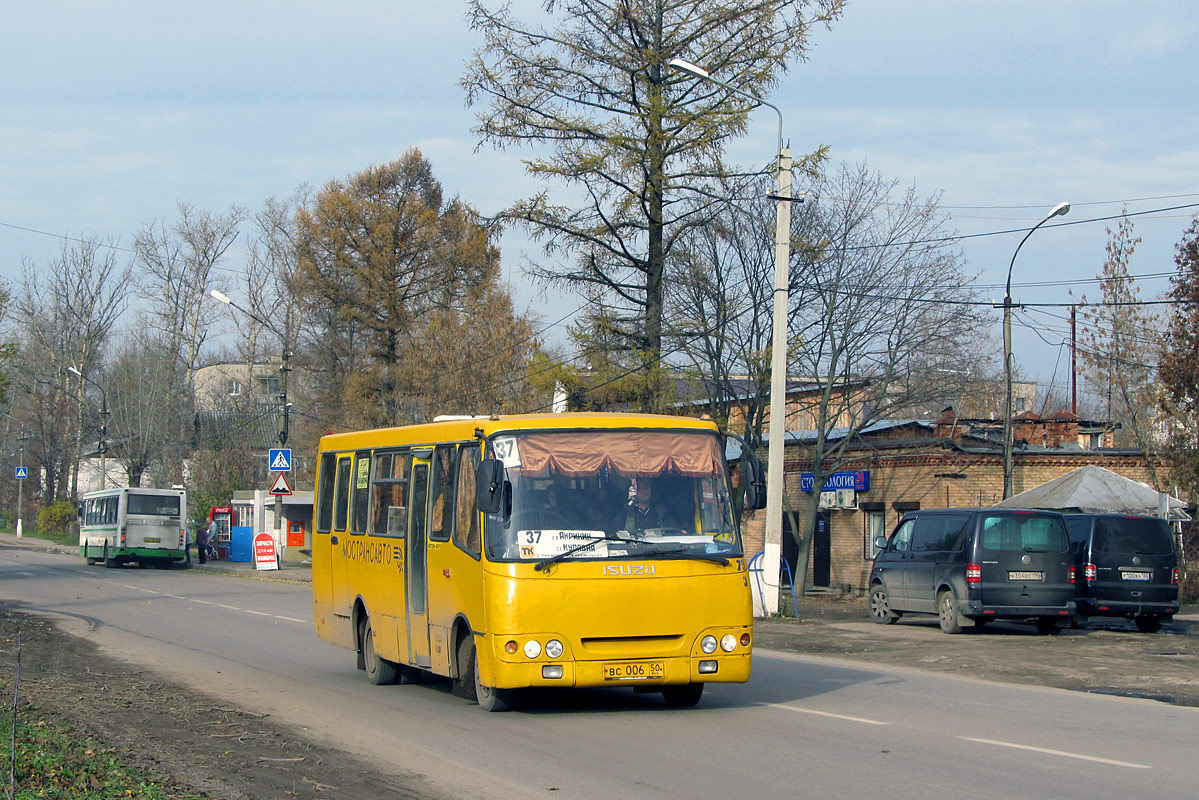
(103, 423)
(1059, 210)
(776, 428)
(285, 406)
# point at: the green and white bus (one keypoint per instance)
(124, 525)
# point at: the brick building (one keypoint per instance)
(901, 466)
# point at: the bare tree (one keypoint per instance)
(179, 264)
(880, 320)
(140, 397)
(1118, 345)
(65, 317)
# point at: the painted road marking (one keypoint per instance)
(293, 619)
(231, 608)
(1061, 753)
(824, 714)
(257, 613)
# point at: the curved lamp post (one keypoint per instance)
(103, 424)
(285, 406)
(773, 544)
(1059, 210)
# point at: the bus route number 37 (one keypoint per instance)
(634, 670)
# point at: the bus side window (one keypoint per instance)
(341, 494)
(324, 495)
(442, 492)
(466, 516)
(389, 494)
(362, 492)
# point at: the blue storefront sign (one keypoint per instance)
(858, 480)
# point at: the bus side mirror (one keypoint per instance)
(755, 482)
(489, 486)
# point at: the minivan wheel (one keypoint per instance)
(1148, 624)
(880, 606)
(1048, 626)
(947, 610)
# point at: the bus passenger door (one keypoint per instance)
(416, 572)
(339, 538)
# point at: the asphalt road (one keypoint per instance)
(802, 726)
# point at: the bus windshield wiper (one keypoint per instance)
(545, 563)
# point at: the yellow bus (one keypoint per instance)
(548, 550)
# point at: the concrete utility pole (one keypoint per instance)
(777, 428)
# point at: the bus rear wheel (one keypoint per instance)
(379, 671)
(109, 561)
(88, 557)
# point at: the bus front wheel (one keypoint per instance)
(488, 697)
(379, 671)
(684, 696)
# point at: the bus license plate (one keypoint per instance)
(634, 670)
(1024, 576)
(1134, 576)
(152, 540)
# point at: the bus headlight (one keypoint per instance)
(728, 643)
(532, 648)
(708, 644)
(553, 648)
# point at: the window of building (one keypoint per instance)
(233, 386)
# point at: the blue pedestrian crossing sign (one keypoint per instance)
(280, 459)
(22, 473)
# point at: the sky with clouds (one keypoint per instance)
(111, 113)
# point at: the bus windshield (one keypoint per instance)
(153, 505)
(602, 494)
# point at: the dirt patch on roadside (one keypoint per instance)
(171, 733)
(1106, 656)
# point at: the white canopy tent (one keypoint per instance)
(1093, 490)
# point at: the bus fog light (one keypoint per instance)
(745, 640)
(708, 644)
(553, 648)
(707, 667)
(728, 643)
(510, 647)
(552, 671)
(532, 648)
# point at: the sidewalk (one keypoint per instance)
(288, 570)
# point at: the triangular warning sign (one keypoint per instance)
(280, 486)
(282, 461)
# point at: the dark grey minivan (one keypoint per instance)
(1127, 566)
(972, 565)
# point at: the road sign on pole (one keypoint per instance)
(22, 473)
(280, 487)
(280, 459)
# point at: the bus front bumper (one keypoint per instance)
(628, 673)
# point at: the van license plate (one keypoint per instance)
(152, 540)
(1025, 576)
(1134, 576)
(634, 670)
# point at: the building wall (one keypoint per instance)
(907, 481)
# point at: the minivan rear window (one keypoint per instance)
(1023, 532)
(1132, 535)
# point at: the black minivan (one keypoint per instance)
(1127, 566)
(972, 565)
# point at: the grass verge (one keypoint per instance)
(53, 762)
